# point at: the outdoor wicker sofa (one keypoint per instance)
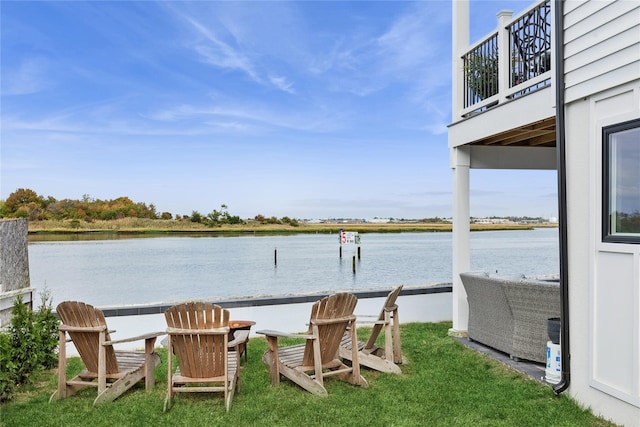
(510, 314)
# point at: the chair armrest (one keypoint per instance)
(351, 318)
(238, 338)
(137, 338)
(279, 334)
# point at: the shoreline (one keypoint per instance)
(138, 227)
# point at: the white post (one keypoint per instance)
(459, 45)
(460, 162)
(504, 54)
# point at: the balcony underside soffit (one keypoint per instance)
(538, 134)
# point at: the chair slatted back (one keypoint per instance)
(334, 312)
(199, 355)
(388, 304)
(79, 314)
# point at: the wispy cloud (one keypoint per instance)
(253, 117)
(219, 53)
(415, 52)
(78, 124)
(219, 44)
(438, 115)
(415, 49)
(240, 118)
(29, 77)
(282, 83)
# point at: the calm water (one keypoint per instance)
(145, 270)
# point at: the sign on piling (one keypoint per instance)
(349, 237)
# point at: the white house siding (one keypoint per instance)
(602, 88)
(602, 45)
(604, 278)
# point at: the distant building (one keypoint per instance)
(379, 220)
(491, 221)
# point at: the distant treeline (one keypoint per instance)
(26, 203)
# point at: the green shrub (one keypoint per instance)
(46, 332)
(28, 346)
(8, 368)
(23, 341)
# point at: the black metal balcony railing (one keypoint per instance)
(481, 72)
(530, 44)
(529, 49)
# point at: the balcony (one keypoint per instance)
(504, 115)
(507, 78)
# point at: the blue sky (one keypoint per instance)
(321, 109)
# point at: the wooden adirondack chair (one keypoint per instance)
(198, 335)
(369, 354)
(115, 371)
(307, 364)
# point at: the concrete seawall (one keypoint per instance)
(287, 313)
(14, 267)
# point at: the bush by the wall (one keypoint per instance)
(45, 325)
(28, 346)
(8, 368)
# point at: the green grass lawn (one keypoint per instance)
(444, 384)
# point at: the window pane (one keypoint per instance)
(624, 182)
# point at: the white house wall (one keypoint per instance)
(604, 278)
(602, 82)
(602, 41)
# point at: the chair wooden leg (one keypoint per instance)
(149, 376)
(168, 398)
(117, 388)
(388, 337)
(397, 350)
(317, 361)
(304, 381)
(238, 379)
(61, 392)
(355, 363)
(102, 363)
(274, 362)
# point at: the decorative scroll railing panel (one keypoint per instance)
(525, 69)
(530, 46)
